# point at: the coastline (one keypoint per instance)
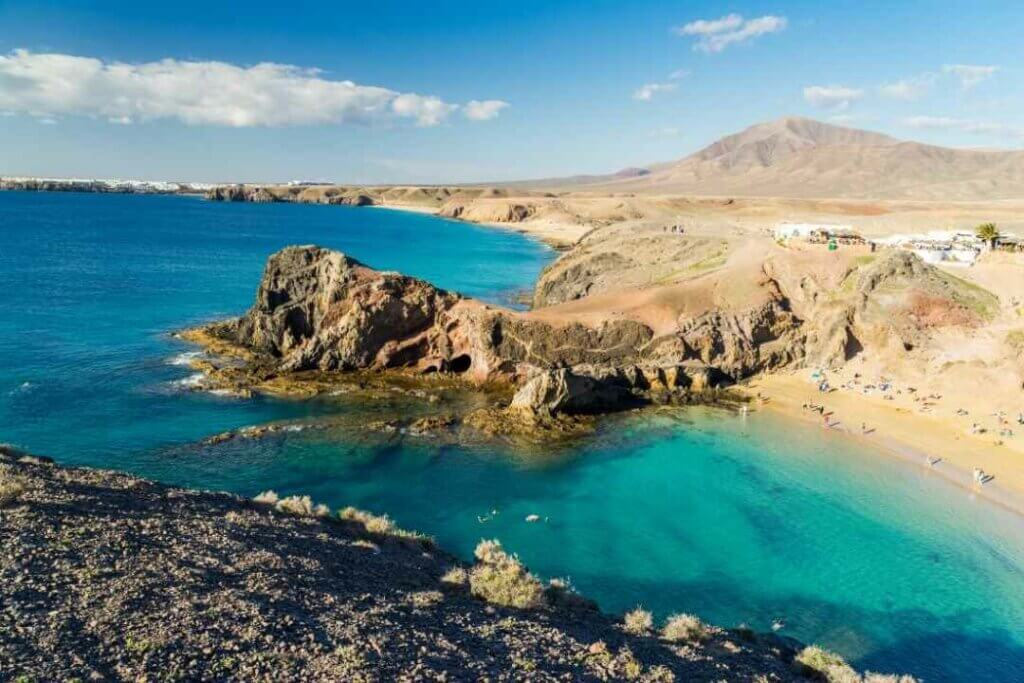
(280, 588)
(412, 208)
(558, 236)
(896, 431)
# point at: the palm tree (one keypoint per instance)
(988, 232)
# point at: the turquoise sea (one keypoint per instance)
(737, 519)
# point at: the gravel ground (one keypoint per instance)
(104, 576)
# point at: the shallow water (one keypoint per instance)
(736, 519)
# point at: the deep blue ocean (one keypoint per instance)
(737, 519)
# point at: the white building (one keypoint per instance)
(939, 246)
(804, 230)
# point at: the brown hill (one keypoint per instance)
(795, 157)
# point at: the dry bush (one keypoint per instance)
(660, 674)
(382, 525)
(684, 627)
(11, 489)
(300, 506)
(267, 498)
(424, 599)
(623, 666)
(824, 665)
(501, 579)
(363, 543)
(456, 576)
(638, 621)
(374, 524)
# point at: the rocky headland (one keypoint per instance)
(105, 576)
(320, 314)
(624, 319)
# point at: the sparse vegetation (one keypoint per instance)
(684, 627)
(424, 599)
(300, 506)
(501, 579)
(11, 489)
(456, 576)
(638, 621)
(988, 232)
(267, 498)
(381, 525)
(824, 665)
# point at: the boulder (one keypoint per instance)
(580, 390)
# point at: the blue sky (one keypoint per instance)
(463, 90)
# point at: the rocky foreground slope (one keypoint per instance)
(104, 576)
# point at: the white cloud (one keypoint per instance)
(714, 35)
(646, 92)
(964, 125)
(679, 74)
(970, 75)
(709, 27)
(483, 110)
(668, 132)
(909, 89)
(203, 93)
(426, 110)
(835, 97)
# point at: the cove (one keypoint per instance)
(736, 519)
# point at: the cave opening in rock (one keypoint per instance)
(460, 364)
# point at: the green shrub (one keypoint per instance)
(501, 579)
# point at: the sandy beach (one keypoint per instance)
(894, 428)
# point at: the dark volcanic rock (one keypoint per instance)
(109, 577)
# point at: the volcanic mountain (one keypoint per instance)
(797, 157)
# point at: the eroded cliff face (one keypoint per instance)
(318, 309)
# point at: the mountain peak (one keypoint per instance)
(763, 144)
(801, 157)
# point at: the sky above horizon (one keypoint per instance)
(463, 91)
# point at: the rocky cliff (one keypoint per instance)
(320, 310)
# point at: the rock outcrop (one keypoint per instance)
(320, 310)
